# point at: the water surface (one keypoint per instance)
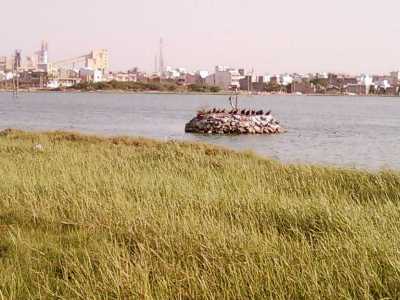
(361, 132)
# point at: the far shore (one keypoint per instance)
(222, 93)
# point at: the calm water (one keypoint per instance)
(344, 131)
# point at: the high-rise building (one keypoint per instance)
(98, 60)
(42, 57)
(43, 54)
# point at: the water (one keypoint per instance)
(361, 132)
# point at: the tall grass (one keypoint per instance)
(120, 218)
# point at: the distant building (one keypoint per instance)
(285, 79)
(33, 79)
(275, 79)
(225, 78)
(366, 80)
(247, 83)
(341, 80)
(380, 79)
(123, 77)
(302, 87)
(90, 75)
(201, 76)
(98, 60)
(333, 90)
(356, 89)
(392, 91)
(395, 77)
(6, 63)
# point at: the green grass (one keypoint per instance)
(120, 218)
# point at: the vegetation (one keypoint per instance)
(203, 88)
(273, 86)
(127, 86)
(167, 86)
(83, 217)
(322, 83)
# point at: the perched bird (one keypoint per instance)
(259, 113)
(214, 110)
(268, 113)
(222, 111)
(235, 111)
(253, 112)
(243, 112)
(248, 113)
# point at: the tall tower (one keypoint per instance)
(16, 66)
(17, 60)
(161, 60)
(44, 54)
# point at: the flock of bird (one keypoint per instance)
(245, 112)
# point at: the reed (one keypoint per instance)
(84, 217)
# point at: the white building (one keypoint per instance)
(6, 76)
(53, 84)
(366, 80)
(123, 76)
(89, 75)
(286, 79)
(384, 84)
(225, 78)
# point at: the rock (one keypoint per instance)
(258, 129)
(233, 123)
(242, 130)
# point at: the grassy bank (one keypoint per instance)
(89, 218)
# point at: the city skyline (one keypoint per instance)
(270, 37)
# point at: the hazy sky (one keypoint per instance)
(269, 36)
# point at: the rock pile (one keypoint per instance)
(234, 122)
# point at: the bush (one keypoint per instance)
(215, 89)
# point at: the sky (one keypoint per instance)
(269, 36)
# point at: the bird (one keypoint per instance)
(222, 111)
(253, 112)
(259, 113)
(248, 113)
(235, 111)
(268, 113)
(243, 112)
(214, 110)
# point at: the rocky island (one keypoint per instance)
(235, 121)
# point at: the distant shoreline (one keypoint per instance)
(223, 93)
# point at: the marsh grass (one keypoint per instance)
(120, 218)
